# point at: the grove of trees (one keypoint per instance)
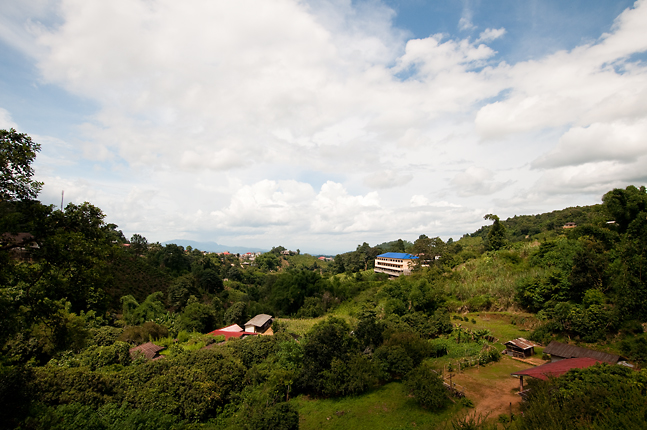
(76, 295)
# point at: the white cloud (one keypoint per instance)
(594, 82)
(212, 114)
(387, 179)
(419, 201)
(616, 141)
(465, 23)
(490, 34)
(476, 181)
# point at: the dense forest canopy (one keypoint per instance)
(76, 295)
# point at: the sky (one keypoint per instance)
(321, 125)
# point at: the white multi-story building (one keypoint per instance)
(395, 263)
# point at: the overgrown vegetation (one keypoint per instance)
(76, 295)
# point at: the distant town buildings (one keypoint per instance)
(395, 263)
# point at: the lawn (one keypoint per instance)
(387, 407)
(300, 326)
(500, 324)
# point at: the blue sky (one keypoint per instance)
(323, 124)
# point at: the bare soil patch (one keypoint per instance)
(491, 387)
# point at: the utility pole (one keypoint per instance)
(62, 194)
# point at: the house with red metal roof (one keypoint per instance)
(554, 369)
(233, 330)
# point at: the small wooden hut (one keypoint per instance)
(148, 350)
(520, 348)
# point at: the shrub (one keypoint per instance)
(141, 334)
(109, 417)
(350, 377)
(101, 356)
(104, 336)
(427, 387)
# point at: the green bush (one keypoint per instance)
(147, 332)
(350, 377)
(427, 387)
(109, 417)
(599, 397)
(96, 357)
(104, 336)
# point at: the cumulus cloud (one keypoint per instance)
(212, 113)
(616, 141)
(593, 82)
(594, 178)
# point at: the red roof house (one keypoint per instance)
(233, 330)
(555, 369)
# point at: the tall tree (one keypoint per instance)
(17, 153)
(496, 238)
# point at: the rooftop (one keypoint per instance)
(259, 320)
(522, 343)
(399, 255)
(148, 349)
(557, 368)
(571, 351)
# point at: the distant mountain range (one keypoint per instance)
(213, 246)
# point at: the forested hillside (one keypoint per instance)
(76, 295)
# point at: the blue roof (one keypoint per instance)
(400, 255)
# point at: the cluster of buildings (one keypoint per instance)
(563, 358)
(260, 325)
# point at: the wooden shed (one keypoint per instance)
(520, 348)
(148, 350)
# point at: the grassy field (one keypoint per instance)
(387, 407)
(491, 387)
(300, 326)
(500, 323)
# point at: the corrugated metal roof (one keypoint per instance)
(259, 320)
(233, 327)
(522, 343)
(400, 255)
(149, 349)
(557, 368)
(570, 351)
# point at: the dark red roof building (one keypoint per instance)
(555, 369)
(233, 330)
